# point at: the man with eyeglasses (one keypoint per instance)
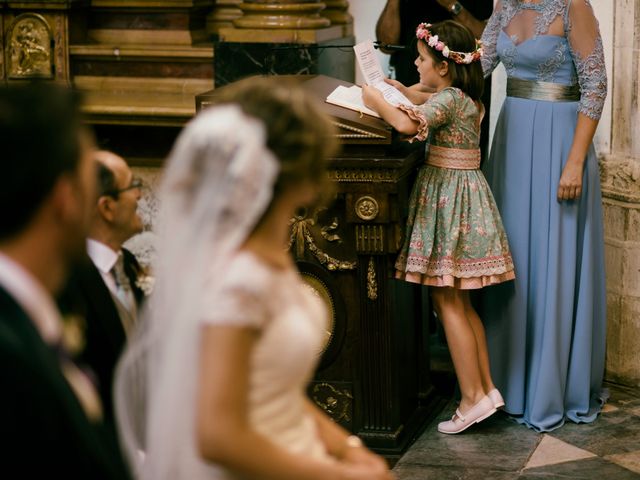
(105, 291)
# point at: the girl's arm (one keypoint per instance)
(395, 117)
(224, 435)
(413, 121)
(588, 56)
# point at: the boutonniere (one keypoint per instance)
(73, 334)
(145, 282)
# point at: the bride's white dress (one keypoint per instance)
(290, 322)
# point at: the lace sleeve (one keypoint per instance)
(235, 306)
(587, 52)
(490, 58)
(434, 113)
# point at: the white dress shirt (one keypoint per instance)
(32, 298)
(104, 258)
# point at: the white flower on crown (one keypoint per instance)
(433, 41)
(445, 52)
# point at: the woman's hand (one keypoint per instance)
(364, 472)
(372, 97)
(570, 187)
(363, 456)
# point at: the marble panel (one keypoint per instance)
(140, 21)
(630, 461)
(592, 469)
(497, 444)
(411, 472)
(552, 451)
(138, 68)
(237, 60)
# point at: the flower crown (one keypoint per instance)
(465, 58)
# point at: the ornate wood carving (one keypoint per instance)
(29, 47)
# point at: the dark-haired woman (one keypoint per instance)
(454, 241)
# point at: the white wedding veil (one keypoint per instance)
(218, 183)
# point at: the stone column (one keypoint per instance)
(223, 15)
(282, 14)
(337, 12)
(620, 174)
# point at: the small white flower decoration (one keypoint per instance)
(146, 284)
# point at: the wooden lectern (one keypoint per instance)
(374, 375)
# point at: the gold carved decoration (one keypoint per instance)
(363, 176)
(357, 132)
(337, 403)
(372, 282)
(29, 47)
(370, 238)
(320, 290)
(367, 208)
(303, 239)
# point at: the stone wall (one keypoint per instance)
(620, 174)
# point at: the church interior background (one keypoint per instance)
(141, 64)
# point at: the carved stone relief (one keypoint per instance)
(620, 179)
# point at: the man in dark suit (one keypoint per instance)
(104, 289)
(50, 412)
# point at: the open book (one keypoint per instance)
(351, 97)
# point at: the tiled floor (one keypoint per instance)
(499, 448)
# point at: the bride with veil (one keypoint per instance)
(212, 384)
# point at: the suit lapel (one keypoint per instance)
(102, 304)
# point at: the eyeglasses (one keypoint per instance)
(135, 183)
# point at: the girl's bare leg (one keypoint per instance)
(449, 304)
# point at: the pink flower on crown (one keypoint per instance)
(439, 46)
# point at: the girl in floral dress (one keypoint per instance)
(455, 241)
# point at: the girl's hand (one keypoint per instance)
(570, 186)
(372, 97)
(399, 85)
(417, 94)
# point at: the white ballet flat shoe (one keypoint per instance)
(496, 398)
(459, 422)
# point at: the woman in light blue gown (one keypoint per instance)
(546, 331)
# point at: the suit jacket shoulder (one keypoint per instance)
(40, 415)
